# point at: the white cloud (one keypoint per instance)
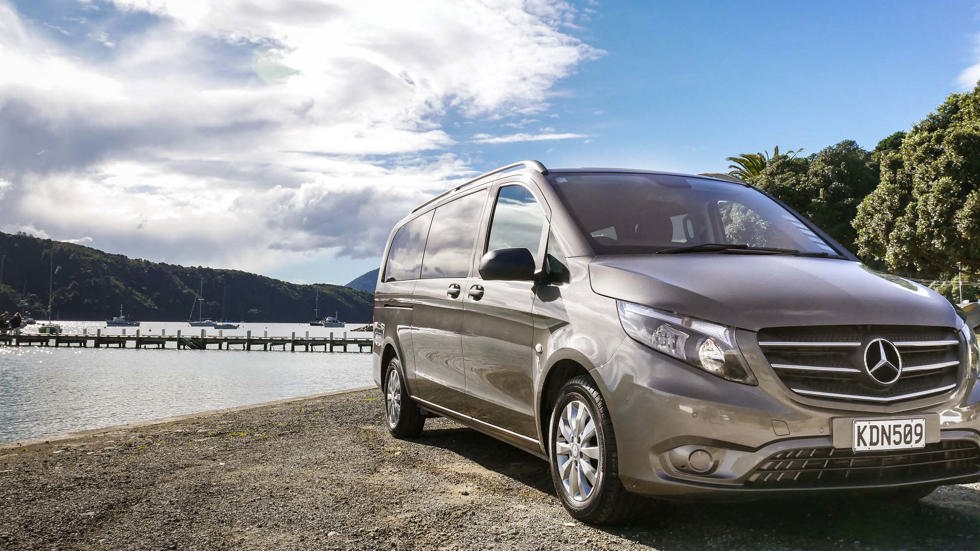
(523, 137)
(969, 77)
(249, 134)
(102, 37)
(25, 228)
(80, 240)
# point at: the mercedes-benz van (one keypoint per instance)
(670, 335)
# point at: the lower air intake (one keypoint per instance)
(824, 467)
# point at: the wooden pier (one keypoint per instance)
(202, 341)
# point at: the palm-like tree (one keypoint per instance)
(749, 166)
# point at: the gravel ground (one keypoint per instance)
(322, 473)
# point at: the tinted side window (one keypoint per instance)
(405, 254)
(449, 250)
(518, 221)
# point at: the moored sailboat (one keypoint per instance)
(50, 328)
(199, 304)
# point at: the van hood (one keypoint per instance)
(751, 291)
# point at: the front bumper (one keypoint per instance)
(683, 433)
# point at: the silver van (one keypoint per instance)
(670, 335)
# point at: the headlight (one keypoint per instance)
(705, 345)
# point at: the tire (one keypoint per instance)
(402, 414)
(579, 422)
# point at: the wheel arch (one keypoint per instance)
(562, 369)
(389, 352)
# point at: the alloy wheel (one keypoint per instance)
(578, 451)
(393, 405)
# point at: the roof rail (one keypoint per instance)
(530, 164)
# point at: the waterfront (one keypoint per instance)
(48, 392)
(258, 329)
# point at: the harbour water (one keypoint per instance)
(47, 392)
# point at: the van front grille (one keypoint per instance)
(830, 362)
(823, 467)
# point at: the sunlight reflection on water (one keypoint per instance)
(48, 391)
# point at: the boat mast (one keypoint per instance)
(197, 299)
(316, 306)
(200, 299)
(51, 283)
(191, 315)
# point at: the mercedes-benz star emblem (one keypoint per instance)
(882, 362)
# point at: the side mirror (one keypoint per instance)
(508, 265)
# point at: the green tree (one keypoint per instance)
(785, 177)
(878, 214)
(750, 166)
(838, 179)
(924, 216)
(746, 166)
(826, 187)
(891, 143)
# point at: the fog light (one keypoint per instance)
(700, 461)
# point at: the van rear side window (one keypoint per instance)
(449, 250)
(405, 254)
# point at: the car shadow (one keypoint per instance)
(948, 519)
(492, 455)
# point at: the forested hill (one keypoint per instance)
(91, 285)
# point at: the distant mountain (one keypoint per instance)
(366, 282)
(89, 284)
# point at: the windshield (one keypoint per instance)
(623, 213)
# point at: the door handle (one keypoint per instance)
(454, 290)
(476, 292)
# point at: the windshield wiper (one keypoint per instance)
(705, 247)
(743, 248)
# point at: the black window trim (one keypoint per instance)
(492, 203)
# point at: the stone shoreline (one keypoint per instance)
(322, 473)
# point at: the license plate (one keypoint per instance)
(890, 434)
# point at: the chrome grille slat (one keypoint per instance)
(804, 344)
(931, 367)
(816, 368)
(926, 344)
(827, 362)
(878, 399)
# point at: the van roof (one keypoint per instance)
(537, 166)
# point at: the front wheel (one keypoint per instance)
(402, 414)
(583, 454)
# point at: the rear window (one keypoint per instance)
(405, 254)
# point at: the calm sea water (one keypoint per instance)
(48, 391)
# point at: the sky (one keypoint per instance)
(286, 137)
